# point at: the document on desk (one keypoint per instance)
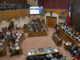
(16, 44)
(3, 40)
(17, 47)
(1, 44)
(29, 54)
(55, 50)
(17, 39)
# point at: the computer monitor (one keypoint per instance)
(36, 10)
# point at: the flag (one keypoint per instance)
(69, 15)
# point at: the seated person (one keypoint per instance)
(25, 25)
(2, 36)
(44, 29)
(56, 28)
(40, 50)
(16, 34)
(74, 49)
(7, 33)
(48, 50)
(34, 30)
(78, 52)
(1, 48)
(49, 56)
(30, 30)
(13, 38)
(12, 49)
(29, 26)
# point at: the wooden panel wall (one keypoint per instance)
(23, 12)
(57, 11)
(13, 13)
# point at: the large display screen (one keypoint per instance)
(36, 10)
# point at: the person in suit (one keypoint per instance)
(9, 28)
(12, 49)
(2, 36)
(74, 49)
(78, 52)
(13, 38)
(49, 56)
(56, 28)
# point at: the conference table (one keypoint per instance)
(43, 52)
(68, 37)
(41, 55)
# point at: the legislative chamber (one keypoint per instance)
(39, 30)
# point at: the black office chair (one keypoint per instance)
(40, 57)
(63, 58)
(58, 56)
(48, 58)
(31, 58)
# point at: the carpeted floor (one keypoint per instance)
(35, 43)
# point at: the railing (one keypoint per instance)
(13, 6)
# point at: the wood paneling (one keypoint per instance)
(51, 21)
(22, 12)
(57, 11)
(65, 36)
(13, 13)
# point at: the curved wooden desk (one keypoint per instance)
(67, 37)
(34, 34)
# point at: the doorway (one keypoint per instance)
(51, 21)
